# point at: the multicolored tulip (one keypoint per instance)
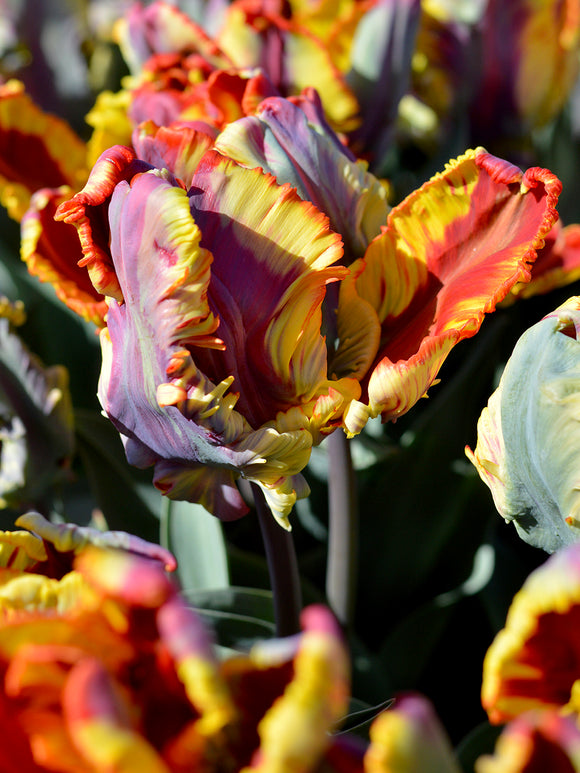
(527, 435)
(407, 253)
(174, 407)
(104, 667)
(448, 254)
(534, 662)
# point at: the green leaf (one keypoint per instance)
(480, 741)
(125, 495)
(238, 616)
(196, 539)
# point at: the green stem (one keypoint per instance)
(282, 568)
(164, 523)
(342, 562)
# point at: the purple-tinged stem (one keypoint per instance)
(282, 568)
(341, 568)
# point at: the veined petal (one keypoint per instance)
(532, 473)
(87, 211)
(164, 310)
(449, 253)
(214, 488)
(178, 148)
(51, 251)
(534, 663)
(280, 140)
(285, 246)
(37, 150)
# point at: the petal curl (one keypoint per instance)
(51, 251)
(294, 731)
(449, 253)
(87, 211)
(177, 416)
(280, 140)
(528, 435)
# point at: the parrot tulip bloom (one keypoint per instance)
(103, 666)
(448, 254)
(534, 662)
(185, 315)
(527, 435)
(231, 387)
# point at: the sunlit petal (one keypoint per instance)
(449, 253)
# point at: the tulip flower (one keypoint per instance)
(533, 663)
(280, 139)
(174, 406)
(106, 668)
(527, 446)
(287, 397)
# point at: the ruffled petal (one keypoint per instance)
(557, 264)
(51, 251)
(87, 210)
(280, 140)
(166, 327)
(285, 247)
(178, 148)
(449, 253)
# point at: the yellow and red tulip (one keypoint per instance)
(104, 667)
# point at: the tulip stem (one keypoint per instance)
(282, 568)
(341, 568)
